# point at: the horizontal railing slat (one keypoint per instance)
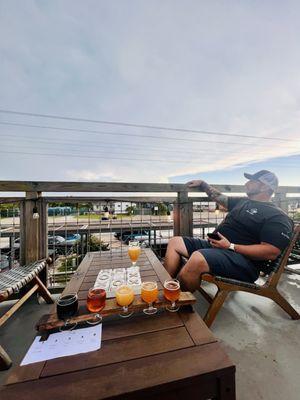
(49, 186)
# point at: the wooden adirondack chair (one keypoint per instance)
(268, 289)
(25, 278)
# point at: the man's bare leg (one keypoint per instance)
(176, 248)
(190, 274)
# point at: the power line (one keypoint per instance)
(96, 157)
(119, 146)
(193, 131)
(96, 144)
(98, 154)
(99, 158)
(89, 132)
(92, 132)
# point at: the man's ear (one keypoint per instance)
(264, 188)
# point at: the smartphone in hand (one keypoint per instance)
(214, 236)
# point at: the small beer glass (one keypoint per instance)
(172, 293)
(66, 308)
(134, 251)
(149, 294)
(95, 301)
(124, 297)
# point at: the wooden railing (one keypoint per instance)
(34, 232)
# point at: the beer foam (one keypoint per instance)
(124, 290)
(172, 285)
(149, 285)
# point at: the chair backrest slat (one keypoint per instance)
(277, 266)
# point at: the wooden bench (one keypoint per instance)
(25, 279)
(269, 289)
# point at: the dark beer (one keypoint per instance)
(67, 306)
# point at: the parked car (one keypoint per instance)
(17, 243)
(140, 236)
(15, 250)
(4, 262)
(56, 246)
(125, 236)
(56, 241)
(60, 244)
(121, 233)
(72, 238)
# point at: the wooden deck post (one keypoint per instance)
(33, 232)
(183, 215)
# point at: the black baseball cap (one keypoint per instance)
(264, 176)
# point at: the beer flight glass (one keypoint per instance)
(95, 303)
(124, 297)
(66, 308)
(96, 300)
(134, 251)
(149, 294)
(172, 293)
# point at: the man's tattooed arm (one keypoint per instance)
(215, 195)
(211, 192)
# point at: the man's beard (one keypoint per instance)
(253, 192)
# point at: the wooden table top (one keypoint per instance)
(141, 354)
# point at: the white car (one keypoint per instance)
(4, 262)
(52, 240)
(17, 243)
(56, 240)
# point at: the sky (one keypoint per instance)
(225, 73)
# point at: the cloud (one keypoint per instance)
(198, 65)
(89, 176)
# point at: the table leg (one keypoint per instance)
(227, 387)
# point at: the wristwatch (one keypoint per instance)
(231, 247)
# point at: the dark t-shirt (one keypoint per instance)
(252, 222)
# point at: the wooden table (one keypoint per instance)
(168, 356)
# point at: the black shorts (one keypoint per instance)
(223, 262)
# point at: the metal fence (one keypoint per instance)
(67, 227)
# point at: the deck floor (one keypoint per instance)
(259, 337)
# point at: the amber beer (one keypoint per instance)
(172, 290)
(96, 300)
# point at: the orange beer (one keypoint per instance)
(134, 251)
(124, 295)
(172, 290)
(149, 292)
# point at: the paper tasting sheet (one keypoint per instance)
(66, 343)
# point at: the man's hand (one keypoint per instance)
(259, 251)
(223, 243)
(212, 193)
(194, 184)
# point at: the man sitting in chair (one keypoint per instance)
(254, 230)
